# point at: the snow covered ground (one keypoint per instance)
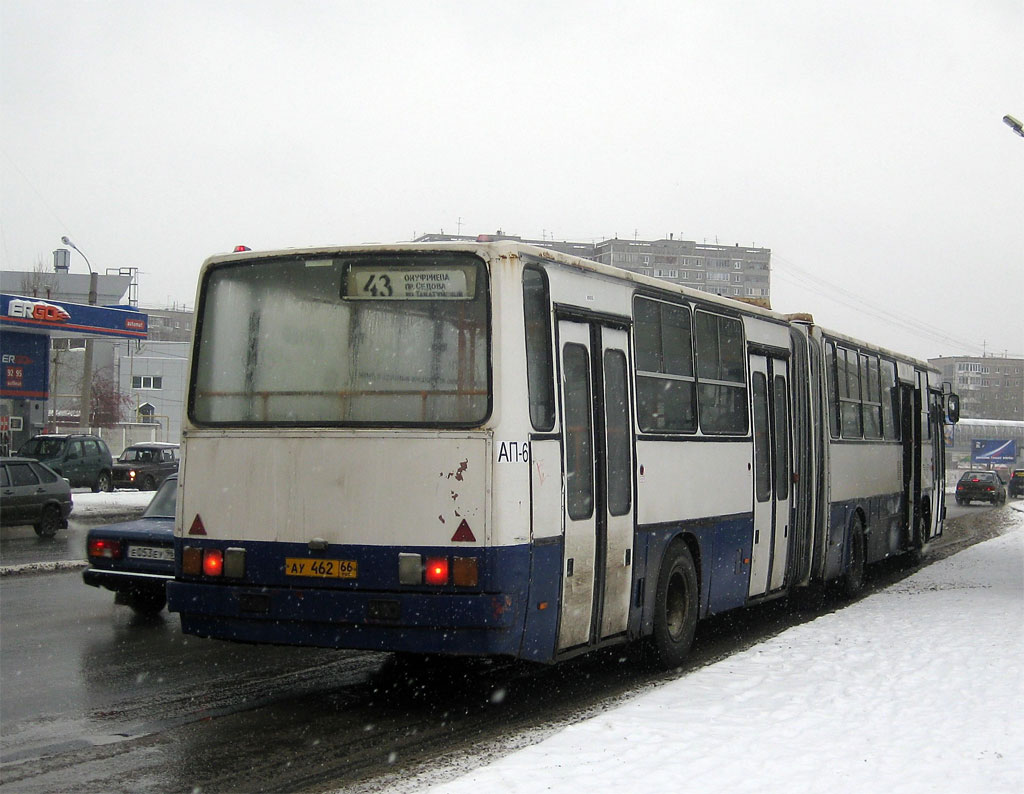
(918, 688)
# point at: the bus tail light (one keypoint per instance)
(106, 549)
(234, 563)
(460, 571)
(196, 561)
(464, 572)
(436, 571)
(410, 569)
(191, 561)
(213, 562)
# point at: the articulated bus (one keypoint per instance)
(497, 449)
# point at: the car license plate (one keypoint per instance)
(151, 553)
(324, 569)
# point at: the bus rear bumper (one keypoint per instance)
(471, 624)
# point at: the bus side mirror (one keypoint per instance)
(952, 408)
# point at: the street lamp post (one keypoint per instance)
(86, 398)
(1014, 125)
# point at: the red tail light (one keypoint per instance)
(436, 571)
(105, 549)
(213, 562)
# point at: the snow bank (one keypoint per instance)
(94, 505)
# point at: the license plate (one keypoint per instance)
(151, 553)
(324, 569)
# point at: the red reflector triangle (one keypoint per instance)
(197, 527)
(463, 534)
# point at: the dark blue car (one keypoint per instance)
(135, 559)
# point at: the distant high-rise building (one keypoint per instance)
(990, 387)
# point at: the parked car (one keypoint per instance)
(145, 466)
(1016, 487)
(135, 559)
(32, 493)
(81, 459)
(985, 486)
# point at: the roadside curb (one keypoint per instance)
(43, 567)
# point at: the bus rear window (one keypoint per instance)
(362, 339)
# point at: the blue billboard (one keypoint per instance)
(985, 450)
(24, 365)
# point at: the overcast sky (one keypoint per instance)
(862, 142)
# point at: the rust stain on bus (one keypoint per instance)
(457, 474)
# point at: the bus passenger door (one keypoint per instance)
(938, 453)
(769, 381)
(598, 466)
(910, 433)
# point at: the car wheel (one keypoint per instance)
(49, 522)
(147, 603)
(675, 606)
(148, 483)
(102, 483)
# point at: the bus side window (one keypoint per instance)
(849, 391)
(539, 370)
(721, 385)
(663, 351)
(872, 399)
(832, 394)
(890, 402)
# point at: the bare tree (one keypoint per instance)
(109, 404)
(39, 283)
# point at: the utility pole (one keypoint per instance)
(85, 411)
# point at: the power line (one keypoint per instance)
(795, 274)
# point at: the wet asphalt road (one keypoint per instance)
(93, 698)
(21, 545)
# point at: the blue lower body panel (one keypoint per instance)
(372, 611)
(884, 527)
(458, 624)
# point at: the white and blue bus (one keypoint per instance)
(496, 449)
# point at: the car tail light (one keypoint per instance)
(213, 562)
(436, 571)
(105, 549)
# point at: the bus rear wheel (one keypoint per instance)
(675, 606)
(853, 580)
(919, 542)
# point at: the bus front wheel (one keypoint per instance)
(675, 607)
